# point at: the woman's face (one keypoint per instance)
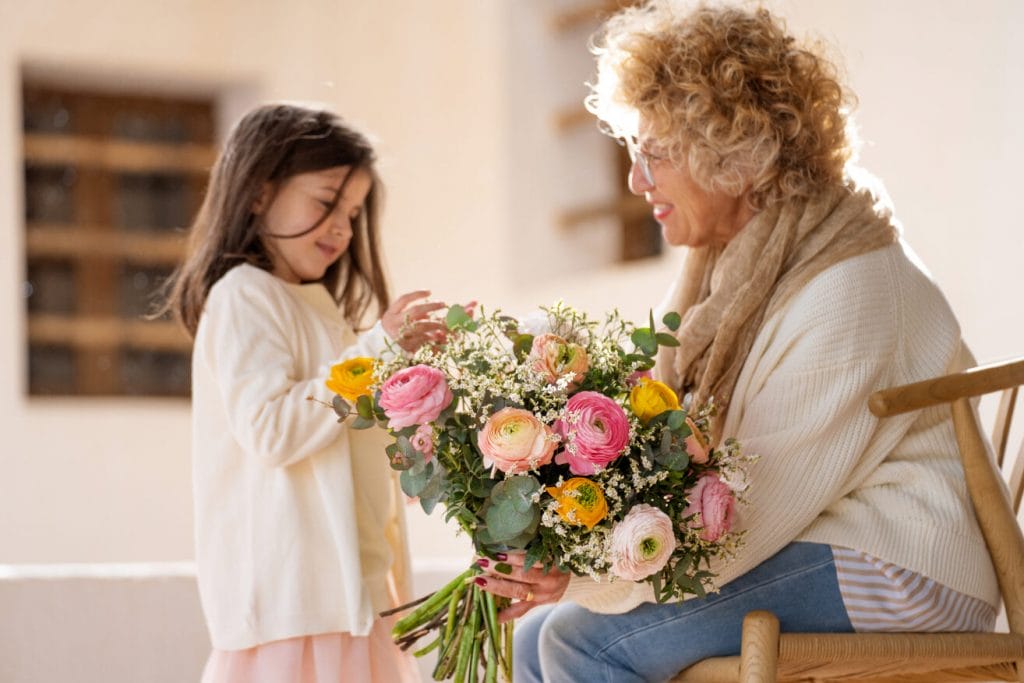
(298, 203)
(689, 215)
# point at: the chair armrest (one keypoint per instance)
(974, 382)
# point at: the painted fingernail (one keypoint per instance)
(501, 556)
(483, 562)
(480, 581)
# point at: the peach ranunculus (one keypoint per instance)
(414, 396)
(595, 430)
(651, 398)
(580, 501)
(714, 502)
(553, 357)
(423, 441)
(642, 543)
(697, 446)
(514, 440)
(352, 378)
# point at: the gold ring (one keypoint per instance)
(529, 596)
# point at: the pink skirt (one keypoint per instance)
(328, 657)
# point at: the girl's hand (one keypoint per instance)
(531, 587)
(411, 326)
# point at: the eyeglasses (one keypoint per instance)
(641, 159)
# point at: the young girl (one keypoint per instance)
(299, 541)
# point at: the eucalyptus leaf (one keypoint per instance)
(676, 419)
(363, 423)
(413, 483)
(457, 317)
(673, 459)
(521, 541)
(505, 523)
(516, 491)
(404, 445)
(397, 459)
(364, 406)
(432, 492)
(666, 339)
(672, 320)
(341, 407)
(522, 346)
(645, 341)
(666, 442)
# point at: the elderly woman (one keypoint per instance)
(798, 301)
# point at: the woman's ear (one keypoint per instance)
(262, 200)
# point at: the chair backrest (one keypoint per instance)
(995, 504)
(1014, 468)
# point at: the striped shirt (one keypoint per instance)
(879, 596)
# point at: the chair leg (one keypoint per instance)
(759, 653)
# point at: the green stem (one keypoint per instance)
(468, 638)
(474, 660)
(402, 608)
(493, 632)
(433, 645)
(508, 651)
(453, 606)
(425, 611)
(450, 656)
(491, 673)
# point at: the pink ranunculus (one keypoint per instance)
(696, 445)
(714, 501)
(514, 440)
(423, 441)
(641, 543)
(595, 430)
(553, 357)
(414, 396)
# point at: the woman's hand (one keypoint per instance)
(531, 587)
(409, 325)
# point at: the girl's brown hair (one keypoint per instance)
(269, 145)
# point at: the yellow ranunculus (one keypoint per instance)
(352, 378)
(580, 501)
(651, 398)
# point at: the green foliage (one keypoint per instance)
(458, 319)
(672, 320)
(341, 407)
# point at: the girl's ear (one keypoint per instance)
(263, 199)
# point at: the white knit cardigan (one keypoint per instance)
(296, 524)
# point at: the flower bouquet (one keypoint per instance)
(547, 435)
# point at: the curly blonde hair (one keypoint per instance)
(728, 90)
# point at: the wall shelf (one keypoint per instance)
(90, 242)
(117, 155)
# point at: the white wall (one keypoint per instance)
(460, 95)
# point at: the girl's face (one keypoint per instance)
(298, 203)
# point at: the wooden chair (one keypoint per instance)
(768, 656)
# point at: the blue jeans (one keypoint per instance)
(565, 642)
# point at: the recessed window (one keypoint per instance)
(111, 183)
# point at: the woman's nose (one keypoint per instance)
(637, 181)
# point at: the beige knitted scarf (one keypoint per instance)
(724, 294)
